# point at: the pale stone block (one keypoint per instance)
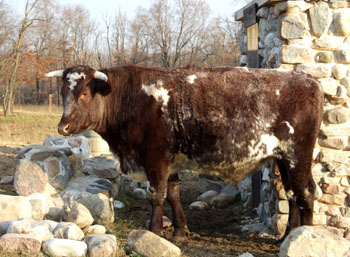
(339, 71)
(321, 17)
(318, 70)
(297, 54)
(342, 21)
(337, 143)
(328, 42)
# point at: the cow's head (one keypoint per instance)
(83, 88)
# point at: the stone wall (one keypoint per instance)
(312, 37)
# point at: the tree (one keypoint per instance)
(172, 28)
(14, 57)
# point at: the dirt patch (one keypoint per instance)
(213, 232)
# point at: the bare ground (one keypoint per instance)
(213, 233)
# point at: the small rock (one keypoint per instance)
(95, 229)
(149, 244)
(324, 57)
(207, 196)
(20, 242)
(199, 205)
(68, 230)
(247, 254)
(64, 247)
(223, 200)
(139, 193)
(118, 204)
(101, 245)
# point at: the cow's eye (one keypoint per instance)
(84, 95)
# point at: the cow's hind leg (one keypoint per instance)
(173, 198)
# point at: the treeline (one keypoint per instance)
(48, 36)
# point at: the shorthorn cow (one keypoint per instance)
(223, 121)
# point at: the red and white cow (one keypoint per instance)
(227, 121)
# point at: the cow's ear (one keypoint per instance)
(101, 87)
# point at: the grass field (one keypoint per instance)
(29, 125)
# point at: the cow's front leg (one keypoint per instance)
(159, 181)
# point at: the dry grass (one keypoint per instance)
(29, 125)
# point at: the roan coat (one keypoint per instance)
(225, 121)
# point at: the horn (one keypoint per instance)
(57, 73)
(100, 75)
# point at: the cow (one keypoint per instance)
(223, 121)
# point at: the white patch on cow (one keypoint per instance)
(278, 93)
(263, 147)
(190, 79)
(158, 92)
(73, 77)
(268, 125)
(291, 129)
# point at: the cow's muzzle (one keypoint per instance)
(63, 129)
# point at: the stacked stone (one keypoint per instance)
(313, 37)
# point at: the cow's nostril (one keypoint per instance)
(66, 128)
(63, 129)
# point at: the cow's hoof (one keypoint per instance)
(178, 239)
(180, 235)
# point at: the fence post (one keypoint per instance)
(50, 103)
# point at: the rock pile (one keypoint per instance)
(64, 201)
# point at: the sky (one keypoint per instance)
(98, 8)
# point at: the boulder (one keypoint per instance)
(149, 244)
(101, 167)
(20, 242)
(314, 241)
(42, 229)
(30, 178)
(14, 207)
(78, 214)
(93, 193)
(102, 245)
(68, 230)
(64, 247)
